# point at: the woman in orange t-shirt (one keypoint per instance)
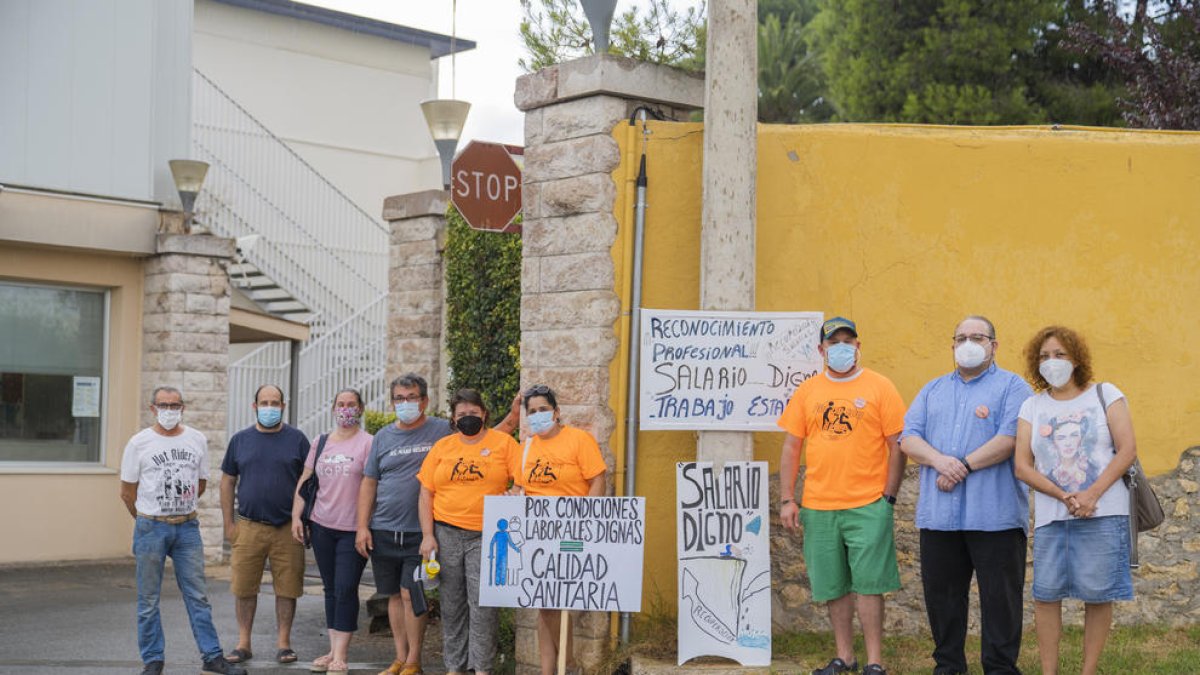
(557, 460)
(459, 471)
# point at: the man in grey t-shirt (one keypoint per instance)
(388, 529)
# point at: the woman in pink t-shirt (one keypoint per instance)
(339, 470)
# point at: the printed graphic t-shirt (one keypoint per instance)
(396, 456)
(561, 465)
(339, 475)
(845, 424)
(460, 475)
(167, 470)
(1072, 446)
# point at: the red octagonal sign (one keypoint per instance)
(485, 185)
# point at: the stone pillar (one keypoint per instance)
(569, 304)
(416, 281)
(727, 217)
(185, 344)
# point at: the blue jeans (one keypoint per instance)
(153, 541)
(341, 569)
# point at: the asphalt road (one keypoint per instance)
(80, 618)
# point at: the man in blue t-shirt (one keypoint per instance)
(263, 464)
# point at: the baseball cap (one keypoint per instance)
(835, 324)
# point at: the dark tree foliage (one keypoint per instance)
(483, 312)
(1157, 55)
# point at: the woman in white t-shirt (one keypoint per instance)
(339, 472)
(1073, 452)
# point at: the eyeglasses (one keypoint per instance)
(169, 406)
(415, 398)
(537, 390)
(977, 338)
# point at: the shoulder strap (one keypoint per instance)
(525, 455)
(1104, 411)
(317, 457)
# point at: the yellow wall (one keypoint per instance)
(907, 229)
(70, 514)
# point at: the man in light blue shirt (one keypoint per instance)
(973, 513)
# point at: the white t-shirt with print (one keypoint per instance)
(1072, 446)
(167, 470)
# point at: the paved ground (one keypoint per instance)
(80, 618)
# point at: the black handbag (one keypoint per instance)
(308, 491)
(1145, 511)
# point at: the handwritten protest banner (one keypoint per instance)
(723, 370)
(579, 553)
(724, 561)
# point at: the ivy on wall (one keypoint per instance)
(483, 312)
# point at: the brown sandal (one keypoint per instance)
(396, 668)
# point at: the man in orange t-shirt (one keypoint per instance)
(847, 421)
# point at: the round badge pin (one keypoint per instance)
(982, 412)
(484, 452)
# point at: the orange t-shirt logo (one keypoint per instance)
(466, 470)
(838, 418)
(541, 473)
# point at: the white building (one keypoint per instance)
(308, 118)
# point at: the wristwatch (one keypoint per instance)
(891, 499)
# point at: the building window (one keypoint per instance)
(52, 379)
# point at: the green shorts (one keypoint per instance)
(850, 550)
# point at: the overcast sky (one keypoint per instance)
(486, 74)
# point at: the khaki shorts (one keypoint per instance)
(254, 545)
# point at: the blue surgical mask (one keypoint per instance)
(408, 411)
(541, 422)
(269, 417)
(840, 357)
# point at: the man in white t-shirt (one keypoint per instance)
(163, 473)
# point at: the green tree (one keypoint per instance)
(1071, 86)
(791, 85)
(554, 31)
(933, 61)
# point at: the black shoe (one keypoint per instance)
(874, 669)
(153, 668)
(219, 666)
(837, 666)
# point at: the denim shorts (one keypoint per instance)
(1085, 558)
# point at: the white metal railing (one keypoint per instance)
(327, 365)
(315, 243)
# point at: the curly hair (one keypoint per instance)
(1075, 346)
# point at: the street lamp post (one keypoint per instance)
(189, 177)
(445, 118)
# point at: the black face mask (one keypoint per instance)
(469, 424)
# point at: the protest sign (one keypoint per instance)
(578, 553)
(729, 371)
(724, 561)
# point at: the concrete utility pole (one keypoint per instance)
(730, 154)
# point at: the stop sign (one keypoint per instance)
(485, 186)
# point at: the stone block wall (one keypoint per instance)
(416, 306)
(185, 344)
(569, 300)
(1167, 586)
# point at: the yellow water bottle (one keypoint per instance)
(432, 566)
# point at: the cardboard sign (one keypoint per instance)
(724, 543)
(732, 371)
(578, 553)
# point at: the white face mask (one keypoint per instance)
(969, 354)
(169, 419)
(1056, 371)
